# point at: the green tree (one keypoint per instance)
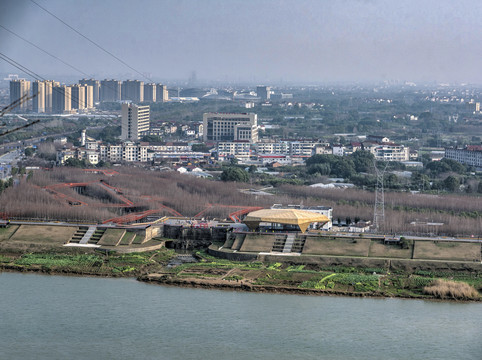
(252, 169)
(110, 134)
(73, 162)
(420, 181)
(200, 148)
(233, 173)
(322, 169)
(343, 167)
(151, 138)
(451, 183)
(29, 151)
(391, 181)
(363, 160)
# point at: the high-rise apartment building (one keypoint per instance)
(110, 90)
(89, 96)
(95, 88)
(38, 102)
(77, 97)
(49, 85)
(135, 121)
(150, 92)
(162, 95)
(61, 103)
(230, 127)
(18, 89)
(133, 90)
(263, 92)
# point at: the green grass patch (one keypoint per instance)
(127, 238)
(60, 261)
(111, 237)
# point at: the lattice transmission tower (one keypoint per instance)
(379, 211)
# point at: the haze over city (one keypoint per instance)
(250, 41)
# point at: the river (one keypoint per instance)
(64, 317)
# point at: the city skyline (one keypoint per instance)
(256, 42)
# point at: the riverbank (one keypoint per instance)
(255, 276)
(252, 276)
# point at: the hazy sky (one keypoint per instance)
(251, 40)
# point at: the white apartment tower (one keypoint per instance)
(135, 121)
(230, 127)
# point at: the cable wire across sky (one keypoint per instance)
(92, 42)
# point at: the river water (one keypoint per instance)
(60, 317)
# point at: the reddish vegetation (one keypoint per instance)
(101, 196)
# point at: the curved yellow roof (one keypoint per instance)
(302, 218)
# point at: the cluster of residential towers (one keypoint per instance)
(50, 96)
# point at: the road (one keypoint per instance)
(11, 157)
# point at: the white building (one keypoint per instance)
(234, 148)
(230, 127)
(135, 121)
(470, 155)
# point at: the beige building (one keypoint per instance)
(61, 103)
(133, 90)
(49, 86)
(110, 90)
(95, 89)
(77, 97)
(230, 127)
(18, 89)
(135, 121)
(150, 92)
(89, 96)
(38, 102)
(162, 95)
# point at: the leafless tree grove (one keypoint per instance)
(189, 196)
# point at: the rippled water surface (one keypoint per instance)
(57, 317)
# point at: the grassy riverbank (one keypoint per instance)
(87, 262)
(211, 272)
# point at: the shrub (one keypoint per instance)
(451, 289)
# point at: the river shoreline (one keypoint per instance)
(229, 285)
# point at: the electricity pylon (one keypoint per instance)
(379, 211)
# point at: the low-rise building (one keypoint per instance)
(234, 148)
(470, 155)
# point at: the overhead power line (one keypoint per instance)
(34, 75)
(44, 51)
(92, 41)
(50, 54)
